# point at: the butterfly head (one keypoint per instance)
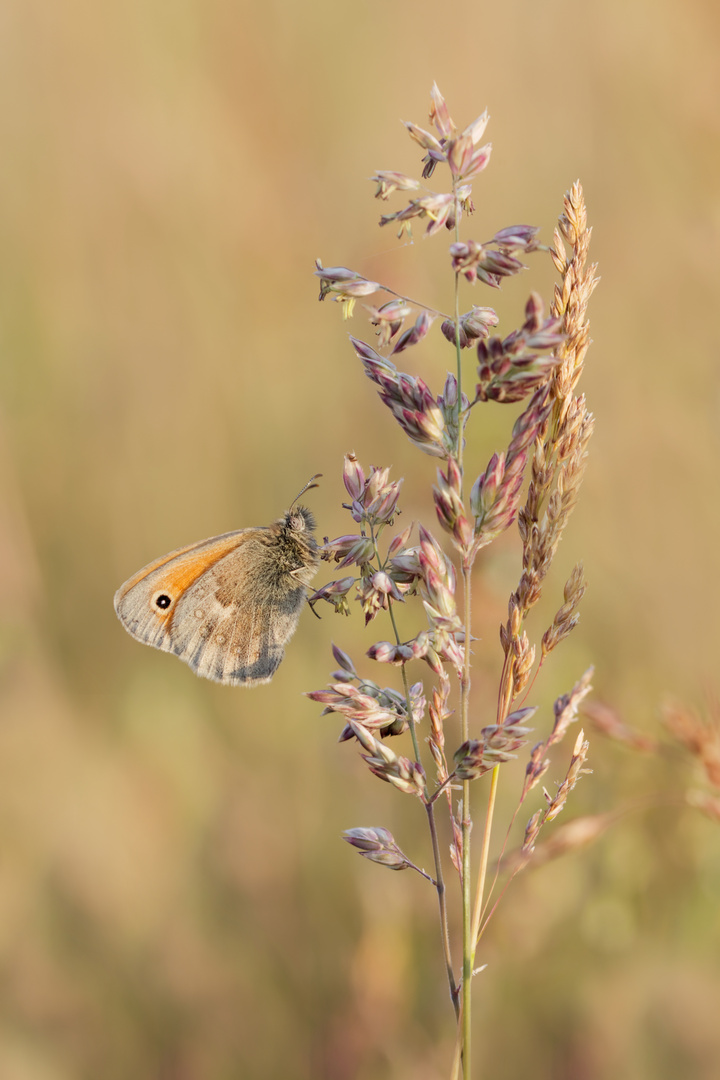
(298, 519)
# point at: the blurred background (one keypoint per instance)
(175, 899)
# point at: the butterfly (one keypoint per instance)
(227, 606)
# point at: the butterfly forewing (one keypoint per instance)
(146, 604)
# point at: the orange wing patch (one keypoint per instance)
(187, 564)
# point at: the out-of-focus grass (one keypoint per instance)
(173, 892)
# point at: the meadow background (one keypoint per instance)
(175, 900)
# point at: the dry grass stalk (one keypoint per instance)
(559, 457)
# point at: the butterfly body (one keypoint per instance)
(227, 606)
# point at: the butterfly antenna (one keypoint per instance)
(310, 484)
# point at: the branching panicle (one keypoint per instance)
(534, 480)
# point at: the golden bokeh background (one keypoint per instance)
(175, 901)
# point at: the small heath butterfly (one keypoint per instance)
(227, 606)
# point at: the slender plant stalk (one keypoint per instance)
(466, 825)
(437, 858)
(484, 855)
(442, 902)
(457, 1055)
(468, 945)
